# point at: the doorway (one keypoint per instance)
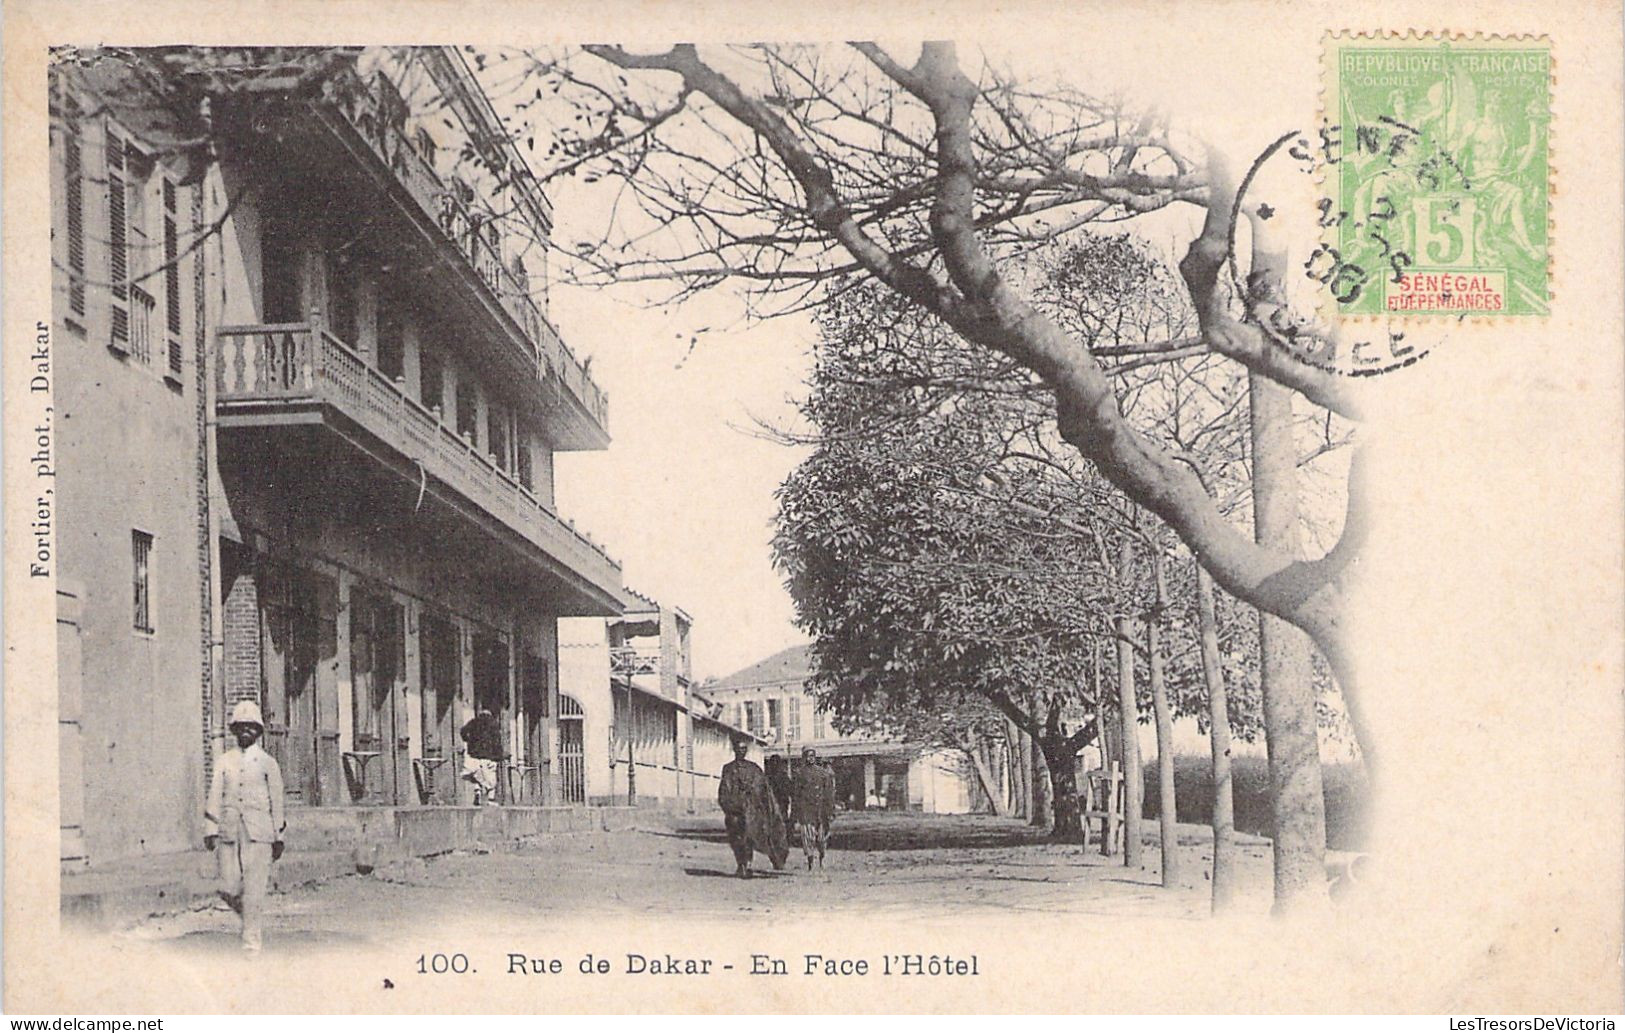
(379, 770)
(441, 671)
(290, 625)
(491, 692)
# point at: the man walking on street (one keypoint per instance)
(778, 779)
(484, 738)
(750, 813)
(814, 805)
(244, 816)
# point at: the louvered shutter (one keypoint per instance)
(172, 278)
(118, 247)
(73, 169)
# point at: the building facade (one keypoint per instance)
(308, 400)
(770, 699)
(651, 739)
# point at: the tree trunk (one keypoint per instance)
(1218, 708)
(1105, 741)
(1062, 762)
(1172, 869)
(1297, 805)
(985, 778)
(1129, 711)
(1043, 789)
(1021, 772)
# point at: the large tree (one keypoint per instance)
(919, 554)
(795, 166)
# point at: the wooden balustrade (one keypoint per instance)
(259, 366)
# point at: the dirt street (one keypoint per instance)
(904, 864)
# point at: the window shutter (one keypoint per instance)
(172, 278)
(73, 168)
(118, 254)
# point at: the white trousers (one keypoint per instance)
(483, 773)
(245, 872)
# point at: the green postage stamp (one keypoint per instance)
(1438, 204)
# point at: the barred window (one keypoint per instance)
(141, 557)
(793, 705)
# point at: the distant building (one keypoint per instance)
(770, 699)
(629, 712)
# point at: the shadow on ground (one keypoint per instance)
(715, 873)
(871, 831)
(228, 942)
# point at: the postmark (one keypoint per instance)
(1437, 201)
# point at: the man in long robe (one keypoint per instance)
(778, 779)
(813, 805)
(750, 812)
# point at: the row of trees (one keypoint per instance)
(966, 575)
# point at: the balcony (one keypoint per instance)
(273, 375)
(355, 140)
(378, 113)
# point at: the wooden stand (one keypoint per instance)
(1103, 801)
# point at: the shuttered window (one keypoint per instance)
(73, 167)
(172, 278)
(118, 244)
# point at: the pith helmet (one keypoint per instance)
(246, 712)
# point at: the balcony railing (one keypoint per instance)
(267, 365)
(377, 112)
(629, 661)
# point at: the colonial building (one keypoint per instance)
(308, 399)
(651, 740)
(770, 699)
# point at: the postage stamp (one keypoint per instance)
(1439, 204)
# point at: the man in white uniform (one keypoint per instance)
(245, 816)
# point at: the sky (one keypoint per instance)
(683, 497)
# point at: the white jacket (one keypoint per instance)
(247, 784)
